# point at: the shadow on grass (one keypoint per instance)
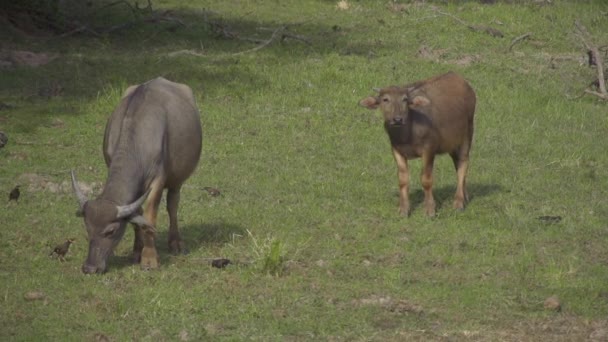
(144, 51)
(194, 236)
(444, 195)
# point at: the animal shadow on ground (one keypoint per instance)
(195, 236)
(444, 195)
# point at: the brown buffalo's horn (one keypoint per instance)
(82, 199)
(377, 90)
(124, 211)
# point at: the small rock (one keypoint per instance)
(552, 303)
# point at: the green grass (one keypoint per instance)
(308, 210)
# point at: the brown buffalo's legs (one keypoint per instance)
(427, 183)
(404, 183)
(461, 163)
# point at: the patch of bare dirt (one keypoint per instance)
(558, 328)
(38, 182)
(440, 56)
(25, 58)
(399, 306)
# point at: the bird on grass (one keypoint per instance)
(212, 191)
(14, 195)
(3, 139)
(62, 250)
(220, 263)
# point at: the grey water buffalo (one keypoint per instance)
(424, 119)
(152, 142)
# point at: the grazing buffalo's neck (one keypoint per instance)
(125, 182)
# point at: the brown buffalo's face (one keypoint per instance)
(394, 103)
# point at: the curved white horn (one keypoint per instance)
(124, 211)
(377, 90)
(82, 199)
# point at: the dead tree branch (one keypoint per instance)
(477, 28)
(140, 15)
(280, 34)
(519, 39)
(272, 38)
(595, 55)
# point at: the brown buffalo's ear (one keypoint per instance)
(420, 101)
(370, 102)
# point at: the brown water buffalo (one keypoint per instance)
(152, 142)
(427, 118)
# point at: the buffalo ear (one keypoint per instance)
(369, 102)
(141, 221)
(420, 101)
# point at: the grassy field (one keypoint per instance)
(308, 205)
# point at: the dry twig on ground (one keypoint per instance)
(281, 33)
(478, 28)
(595, 56)
(519, 39)
(138, 14)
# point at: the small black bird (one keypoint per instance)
(3, 138)
(550, 219)
(220, 263)
(212, 191)
(62, 250)
(14, 195)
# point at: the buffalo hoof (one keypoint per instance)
(404, 211)
(149, 259)
(136, 258)
(429, 209)
(177, 247)
(458, 205)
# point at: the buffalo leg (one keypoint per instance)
(404, 183)
(461, 163)
(149, 256)
(138, 244)
(176, 244)
(427, 183)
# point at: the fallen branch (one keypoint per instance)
(287, 35)
(154, 17)
(281, 33)
(151, 19)
(595, 55)
(519, 39)
(186, 52)
(478, 28)
(272, 38)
